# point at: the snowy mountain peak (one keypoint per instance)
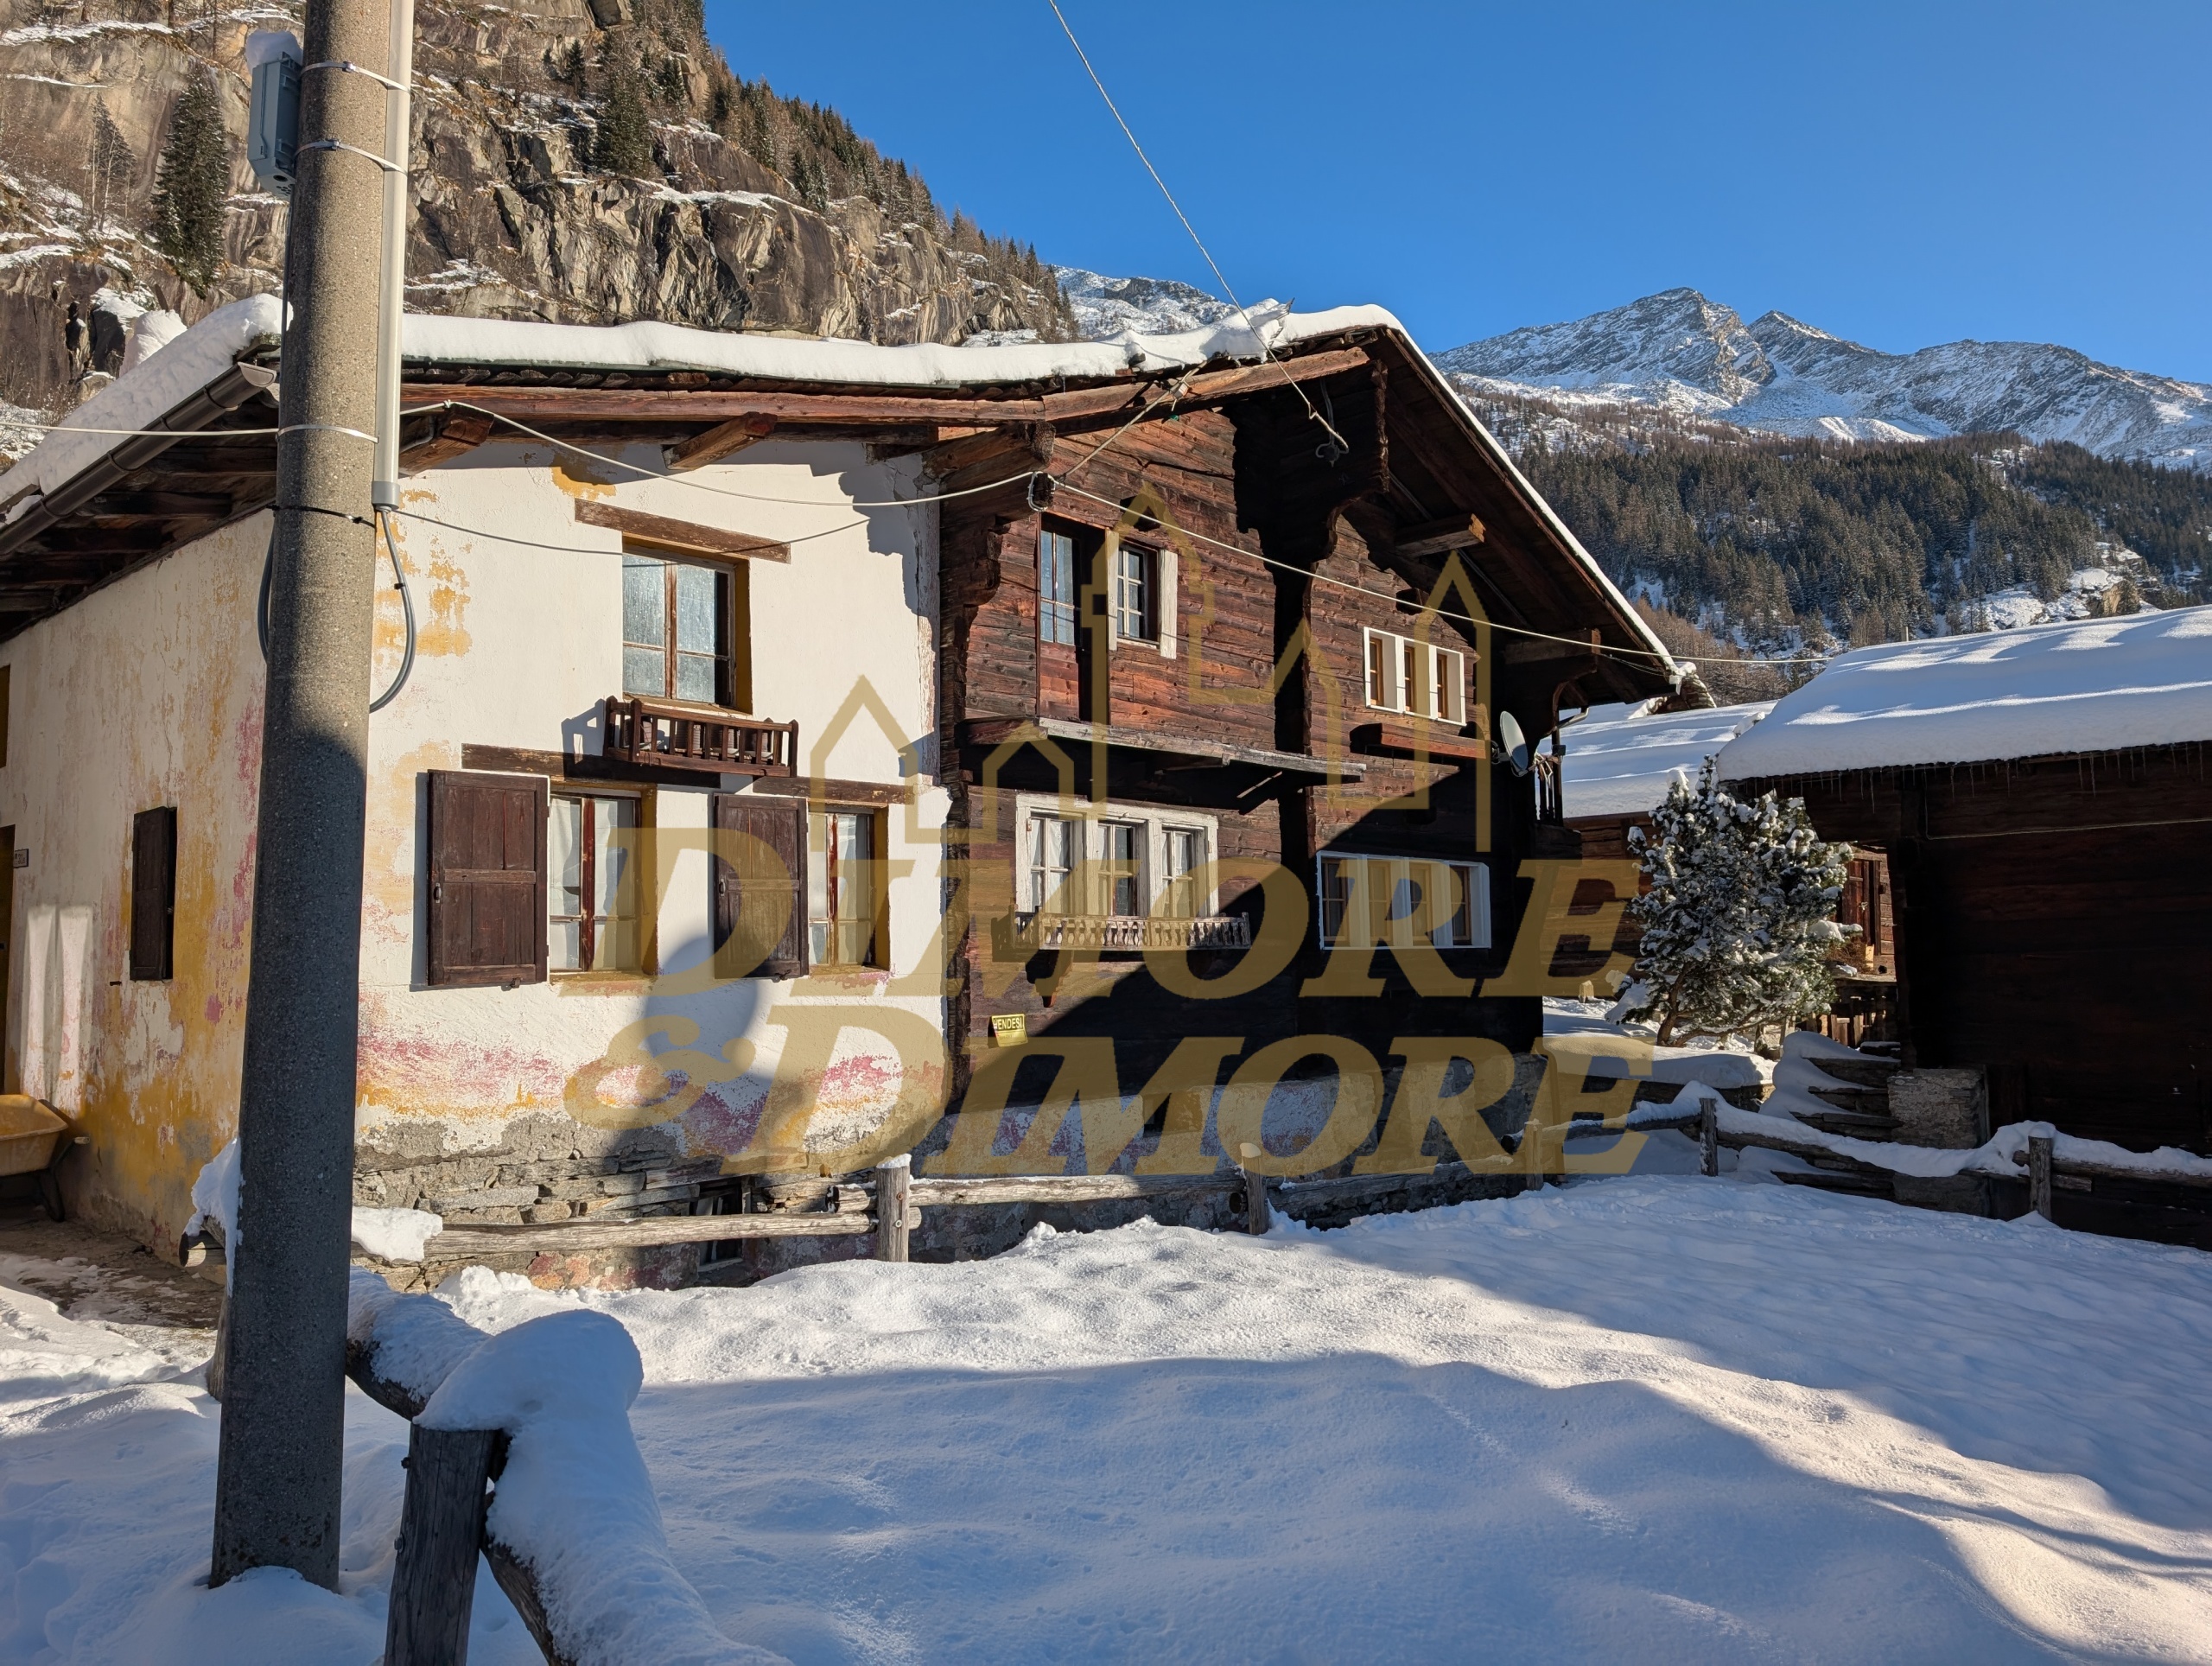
(1690, 353)
(1105, 307)
(1680, 351)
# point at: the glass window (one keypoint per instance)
(1136, 616)
(1453, 896)
(1122, 867)
(1382, 671)
(841, 889)
(1054, 846)
(1056, 587)
(591, 922)
(1183, 851)
(677, 629)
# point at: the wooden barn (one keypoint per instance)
(2044, 798)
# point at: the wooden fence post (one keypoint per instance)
(1257, 1217)
(1708, 1138)
(2039, 1149)
(892, 1177)
(440, 1527)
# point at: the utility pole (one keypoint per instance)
(278, 1477)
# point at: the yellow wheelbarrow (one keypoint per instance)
(34, 1139)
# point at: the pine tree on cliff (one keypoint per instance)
(192, 186)
(626, 140)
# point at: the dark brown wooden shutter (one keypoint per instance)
(153, 894)
(781, 825)
(486, 916)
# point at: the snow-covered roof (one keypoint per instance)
(194, 360)
(431, 336)
(2090, 685)
(159, 382)
(1620, 760)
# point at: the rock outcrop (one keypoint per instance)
(754, 212)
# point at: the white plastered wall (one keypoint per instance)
(519, 611)
(146, 693)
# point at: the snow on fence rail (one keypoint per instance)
(540, 1414)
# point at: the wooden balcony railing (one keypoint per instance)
(1136, 931)
(667, 735)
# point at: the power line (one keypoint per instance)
(1266, 353)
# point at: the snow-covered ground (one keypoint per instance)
(1654, 1418)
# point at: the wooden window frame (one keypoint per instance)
(733, 625)
(588, 858)
(1145, 584)
(1437, 674)
(153, 895)
(1087, 886)
(879, 955)
(1059, 587)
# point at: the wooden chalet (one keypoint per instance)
(2043, 798)
(1070, 682)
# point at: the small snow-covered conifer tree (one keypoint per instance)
(625, 143)
(1738, 923)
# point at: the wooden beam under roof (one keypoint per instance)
(724, 439)
(849, 409)
(1438, 537)
(690, 536)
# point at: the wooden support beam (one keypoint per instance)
(1436, 538)
(460, 433)
(689, 536)
(1023, 442)
(724, 439)
(568, 1237)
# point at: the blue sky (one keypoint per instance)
(1900, 173)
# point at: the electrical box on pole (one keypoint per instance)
(272, 140)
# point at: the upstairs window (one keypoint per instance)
(1121, 866)
(1183, 853)
(1415, 677)
(1055, 852)
(685, 629)
(1056, 587)
(1136, 594)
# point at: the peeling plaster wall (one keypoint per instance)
(520, 644)
(146, 693)
(576, 1091)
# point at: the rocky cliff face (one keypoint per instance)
(751, 213)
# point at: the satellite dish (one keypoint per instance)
(1512, 745)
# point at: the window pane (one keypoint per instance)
(697, 593)
(645, 670)
(1414, 685)
(1056, 587)
(563, 853)
(644, 600)
(694, 677)
(1180, 895)
(1123, 868)
(611, 855)
(1378, 672)
(1452, 686)
(1133, 593)
(1337, 876)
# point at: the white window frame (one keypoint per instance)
(1152, 853)
(1445, 676)
(1475, 892)
(1166, 580)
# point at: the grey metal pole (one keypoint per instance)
(278, 1474)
